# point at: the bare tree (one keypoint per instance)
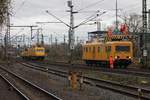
(133, 22)
(4, 10)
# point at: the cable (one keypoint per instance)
(90, 19)
(88, 6)
(57, 18)
(21, 6)
(133, 9)
(17, 33)
(132, 5)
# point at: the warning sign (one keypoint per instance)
(145, 53)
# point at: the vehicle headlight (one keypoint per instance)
(116, 57)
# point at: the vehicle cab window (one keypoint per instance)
(108, 48)
(99, 49)
(122, 48)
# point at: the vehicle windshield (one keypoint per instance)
(40, 50)
(122, 48)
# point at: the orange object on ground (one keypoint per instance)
(74, 80)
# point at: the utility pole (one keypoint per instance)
(42, 39)
(9, 42)
(149, 21)
(28, 41)
(64, 46)
(98, 26)
(143, 36)
(7, 34)
(51, 40)
(56, 41)
(71, 30)
(38, 33)
(64, 39)
(144, 11)
(77, 40)
(24, 37)
(116, 14)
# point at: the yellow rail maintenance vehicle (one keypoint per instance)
(35, 52)
(101, 47)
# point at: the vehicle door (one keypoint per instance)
(108, 51)
(94, 52)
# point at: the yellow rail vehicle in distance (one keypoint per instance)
(99, 52)
(34, 52)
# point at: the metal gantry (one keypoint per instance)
(28, 26)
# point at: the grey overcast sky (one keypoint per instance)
(27, 12)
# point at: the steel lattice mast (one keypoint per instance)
(144, 30)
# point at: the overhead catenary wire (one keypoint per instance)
(90, 19)
(20, 7)
(17, 33)
(132, 8)
(57, 18)
(90, 5)
(82, 23)
(132, 5)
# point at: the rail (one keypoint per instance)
(52, 96)
(110, 85)
(21, 93)
(108, 70)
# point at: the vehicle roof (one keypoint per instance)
(111, 42)
(118, 42)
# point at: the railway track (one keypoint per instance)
(23, 96)
(110, 85)
(26, 88)
(108, 70)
